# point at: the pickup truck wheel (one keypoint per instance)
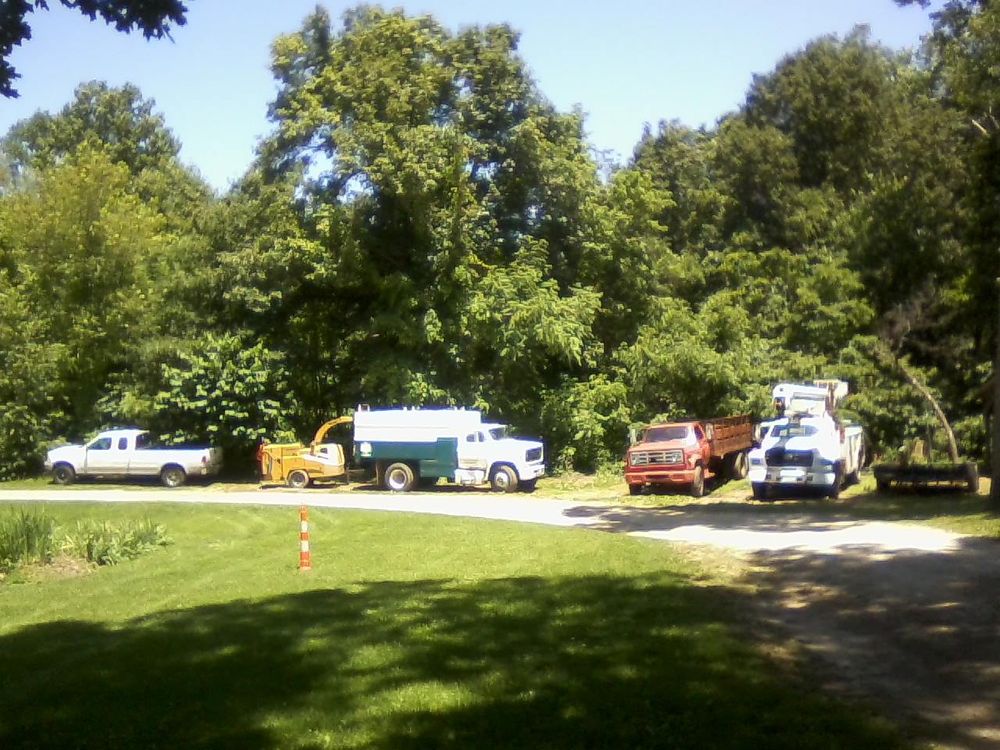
(63, 474)
(759, 490)
(698, 483)
(504, 479)
(172, 476)
(399, 477)
(298, 479)
(527, 485)
(635, 489)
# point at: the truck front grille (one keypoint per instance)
(778, 456)
(533, 454)
(647, 458)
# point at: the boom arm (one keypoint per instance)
(325, 428)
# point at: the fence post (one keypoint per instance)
(305, 559)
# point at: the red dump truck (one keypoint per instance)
(688, 453)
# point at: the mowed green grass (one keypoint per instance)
(410, 632)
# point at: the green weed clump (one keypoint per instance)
(106, 543)
(25, 538)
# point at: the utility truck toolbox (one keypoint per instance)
(406, 447)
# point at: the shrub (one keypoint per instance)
(105, 543)
(25, 538)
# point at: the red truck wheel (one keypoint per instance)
(698, 483)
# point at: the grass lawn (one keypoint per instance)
(410, 632)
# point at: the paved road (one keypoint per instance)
(905, 614)
(733, 526)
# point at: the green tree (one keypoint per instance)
(428, 228)
(80, 249)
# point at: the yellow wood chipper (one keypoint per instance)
(299, 466)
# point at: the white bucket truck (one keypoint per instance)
(404, 447)
(807, 445)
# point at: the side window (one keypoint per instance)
(122, 443)
(698, 432)
(142, 441)
(104, 444)
(480, 437)
(470, 438)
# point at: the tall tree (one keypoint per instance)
(964, 51)
(452, 240)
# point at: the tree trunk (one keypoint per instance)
(995, 432)
(923, 391)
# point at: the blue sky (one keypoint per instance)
(624, 62)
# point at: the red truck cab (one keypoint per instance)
(687, 453)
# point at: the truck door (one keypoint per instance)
(472, 452)
(704, 442)
(108, 455)
(145, 459)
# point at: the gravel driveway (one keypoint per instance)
(904, 614)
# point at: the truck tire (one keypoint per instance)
(740, 465)
(833, 491)
(635, 489)
(503, 479)
(297, 479)
(172, 476)
(527, 485)
(63, 474)
(698, 483)
(855, 476)
(399, 477)
(759, 490)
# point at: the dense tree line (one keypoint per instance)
(422, 226)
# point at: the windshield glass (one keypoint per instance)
(498, 433)
(793, 430)
(812, 406)
(673, 432)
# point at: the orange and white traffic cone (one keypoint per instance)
(305, 560)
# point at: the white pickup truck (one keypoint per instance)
(130, 453)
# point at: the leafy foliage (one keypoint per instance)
(109, 543)
(25, 537)
(423, 227)
(151, 17)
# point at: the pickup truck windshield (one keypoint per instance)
(498, 433)
(673, 432)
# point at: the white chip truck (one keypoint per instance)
(406, 447)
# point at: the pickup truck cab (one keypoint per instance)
(130, 453)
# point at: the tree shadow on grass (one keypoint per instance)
(571, 662)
